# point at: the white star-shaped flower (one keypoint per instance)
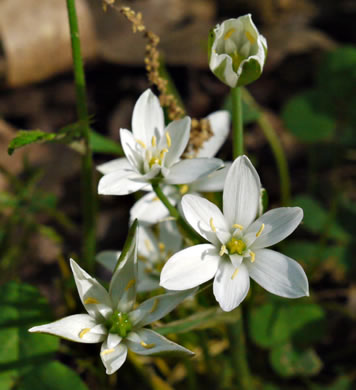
(237, 245)
(153, 152)
(149, 210)
(111, 318)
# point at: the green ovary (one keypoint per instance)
(119, 323)
(236, 246)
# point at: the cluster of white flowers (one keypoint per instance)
(233, 242)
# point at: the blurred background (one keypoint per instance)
(307, 97)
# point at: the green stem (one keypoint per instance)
(88, 189)
(192, 235)
(237, 124)
(238, 353)
(276, 146)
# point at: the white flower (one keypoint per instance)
(149, 210)
(111, 318)
(152, 254)
(152, 152)
(237, 243)
(238, 52)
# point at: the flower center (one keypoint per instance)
(236, 245)
(119, 323)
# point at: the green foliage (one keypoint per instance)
(290, 361)
(249, 113)
(208, 318)
(101, 144)
(26, 137)
(52, 376)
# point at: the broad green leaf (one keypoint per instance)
(316, 218)
(288, 361)
(305, 121)
(26, 137)
(52, 376)
(21, 307)
(206, 319)
(101, 144)
(275, 323)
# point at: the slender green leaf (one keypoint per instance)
(27, 137)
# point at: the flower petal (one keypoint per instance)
(231, 285)
(121, 183)
(236, 260)
(179, 131)
(220, 126)
(147, 244)
(277, 224)
(134, 151)
(93, 295)
(113, 358)
(169, 235)
(113, 340)
(108, 259)
(118, 164)
(123, 283)
(75, 328)
(204, 216)
(278, 274)
(186, 171)
(148, 342)
(241, 197)
(190, 267)
(157, 307)
(213, 182)
(147, 117)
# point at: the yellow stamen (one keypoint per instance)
(223, 250)
(153, 161)
(229, 33)
(83, 332)
(154, 306)
(155, 199)
(253, 256)
(147, 346)
(234, 274)
(141, 143)
(184, 189)
(250, 37)
(154, 141)
(161, 246)
(237, 226)
(130, 284)
(148, 244)
(213, 228)
(168, 138)
(261, 230)
(91, 301)
(107, 351)
(162, 152)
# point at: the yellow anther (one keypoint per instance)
(253, 256)
(261, 230)
(91, 301)
(161, 246)
(107, 351)
(153, 161)
(168, 138)
(162, 152)
(154, 141)
(229, 33)
(154, 306)
(155, 199)
(148, 244)
(147, 346)
(234, 274)
(237, 226)
(213, 228)
(84, 332)
(130, 284)
(183, 189)
(223, 250)
(250, 37)
(141, 143)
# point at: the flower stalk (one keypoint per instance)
(88, 188)
(237, 123)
